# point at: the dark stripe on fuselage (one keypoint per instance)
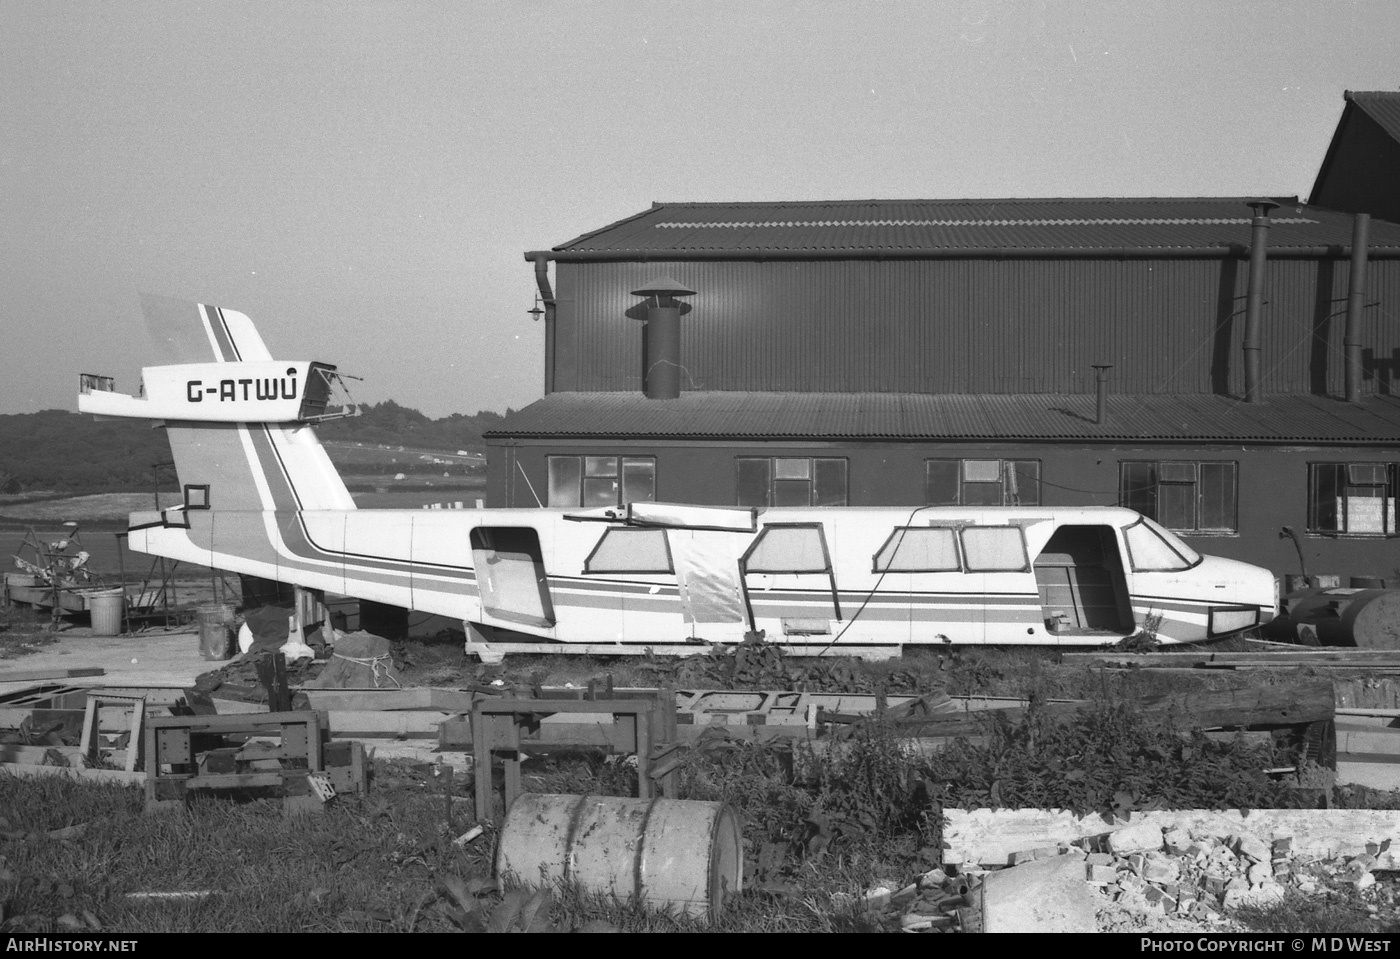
(286, 502)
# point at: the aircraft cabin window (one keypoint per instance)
(919, 549)
(994, 549)
(788, 549)
(630, 551)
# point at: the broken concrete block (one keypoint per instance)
(1100, 874)
(1047, 895)
(1099, 859)
(1139, 837)
(934, 877)
(1252, 847)
(1130, 883)
(1159, 897)
(1161, 870)
(1259, 872)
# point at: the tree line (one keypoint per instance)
(61, 450)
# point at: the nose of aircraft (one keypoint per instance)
(1234, 583)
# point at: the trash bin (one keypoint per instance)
(215, 630)
(106, 609)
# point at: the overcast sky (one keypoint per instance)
(363, 178)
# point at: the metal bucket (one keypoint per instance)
(215, 630)
(106, 609)
(672, 854)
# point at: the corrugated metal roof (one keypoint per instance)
(946, 227)
(1383, 106)
(1038, 416)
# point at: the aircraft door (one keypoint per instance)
(1080, 576)
(1163, 577)
(511, 576)
(789, 583)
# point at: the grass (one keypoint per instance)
(381, 864)
(23, 631)
(1335, 911)
(91, 507)
(365, 865)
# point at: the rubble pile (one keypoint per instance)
(1201, 877)
(1147, 878)
(938, 902)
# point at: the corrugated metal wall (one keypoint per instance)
(976, 326)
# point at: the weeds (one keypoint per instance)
(23, 631)
(1335, 912)
(1108, 760)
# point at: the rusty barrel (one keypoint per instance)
(672, 854)
(1365, 618)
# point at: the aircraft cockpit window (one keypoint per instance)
(1174, 541)
(788, 549)
(623, 550)
(1155, 550)
(995, 549)
(919, 549)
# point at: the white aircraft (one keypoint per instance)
(261, 497)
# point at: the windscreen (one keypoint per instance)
(1154, 549)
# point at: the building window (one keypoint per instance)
(791, 481)
(982, 482)
(601, 480)
(1357, 498)
(1182, 496)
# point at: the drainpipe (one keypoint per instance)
(541, 261)
(1258, 256)
(1356, 301)
(1101, 391)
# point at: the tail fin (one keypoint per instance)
(239, 423)
(197, 333)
